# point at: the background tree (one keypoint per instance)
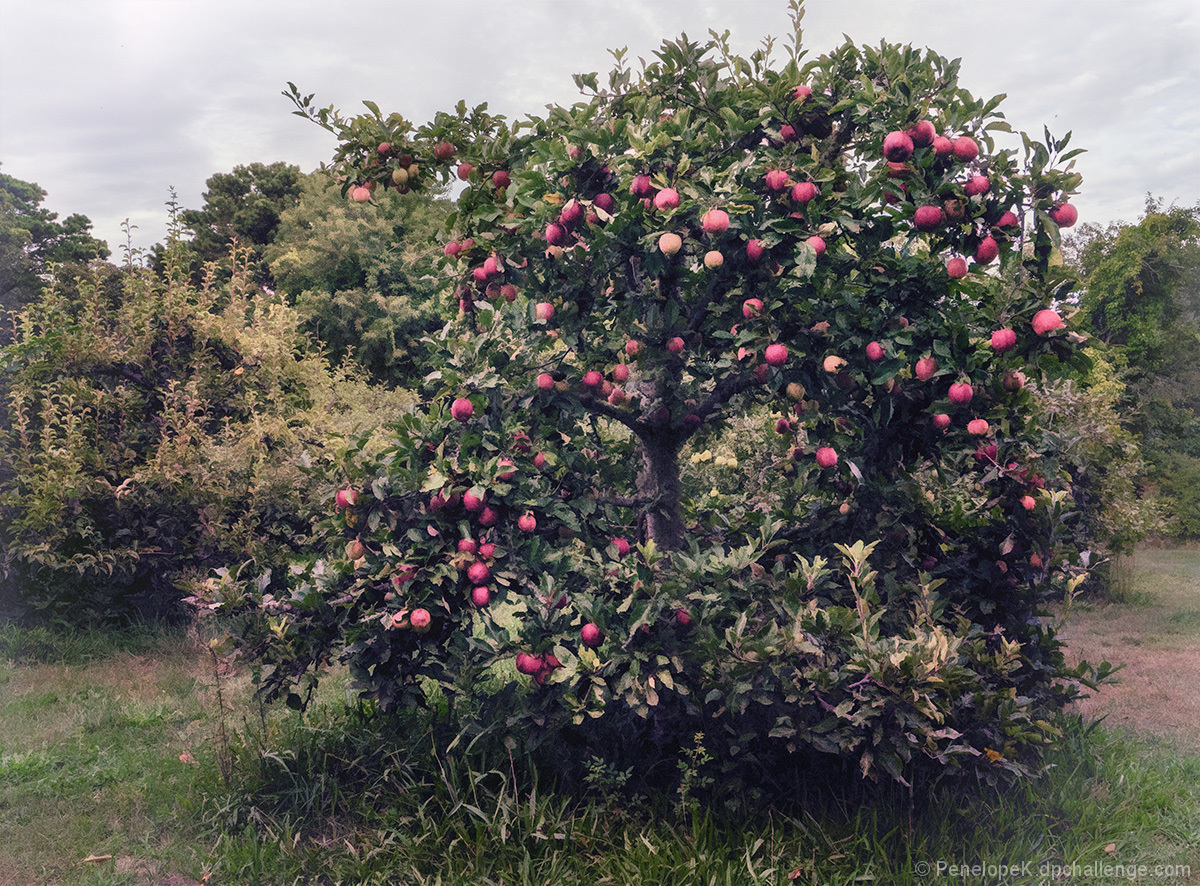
(33, 240)
(1141, 297)
(363, 275)
(244, 204)
(700, 241)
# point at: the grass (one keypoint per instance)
(110, 749)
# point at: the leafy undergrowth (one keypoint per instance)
(118, 756)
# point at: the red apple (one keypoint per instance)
(670, 243)
(1047, 320)
(776, 179)
(465, 170)
(346, 498)
(1028, 502)
(556, 234)
(640, 186)
(622, 546)
(715, 221)
(1007, 220)
(420, 620)
(783, 426)
(1003, 339)
(874, 351)
(467, 546)
(675, 345)
(800, 93)
(957, 267)
(527, 523)
(927, 367)
(528, 664)
(942, 146)
(928, 218)
(827, 456)
(804, 192)
(751, 308)
(978, 184)
(897, 147)
(754, 250)
(1064, 215)
(817, 243)
(621, 373)
(501, 179)
(478, 572)
(572, 214)
(360, 194)
(922, 134)
(591, 635)
(462, 409)
(473, 501)
(481, 596)
(941, 421)
(486, 550)
(545, 381)
(592, 378)
(543, 310)
(1014, 380)
(987, 251)
(713, 259)
(667, 198)
(605, 203)
(539, 460)
(978, 427)
(961, 393)
(776, 354)
(633, 347)
(444, 151)
(965, 148)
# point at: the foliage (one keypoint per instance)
(884, 606)
(33, 241)
(242, 206)
(156, 438)
(1141, 297)
(361, 276)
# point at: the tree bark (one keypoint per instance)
(658, 484)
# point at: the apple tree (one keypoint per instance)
(834, 255)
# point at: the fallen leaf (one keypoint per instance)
(92, 859)
(1110, 848)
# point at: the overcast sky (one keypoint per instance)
(108, 103)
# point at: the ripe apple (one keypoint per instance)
(827, 456)
(942, 146)
(776, 354)
(987, 251)
(346, 498)
(501, 178)
(527, 523)
(675, 345)
(633, 347)
(1064, 215)
(670, 243)
(539, 460)
(978, 427)
(941, 421)
(591, 635)
(399, 176)
(545, 381)
(592, 378)
(965, 148)
(420, 620)
(473, 501)
(957, 267)
(452, 248)
(833, 364)
(478, 572)
(713, 259)
(751, 308)
(961, 393)
(486, 550)
(528, 664)
(667, 198)
(928, 218)
(622, 546)
(556, 234)
(360, 194)
(683, 618)
(467, 546)
(787, 132)
(481, 596)
(543, 310)
(507, 470)
(795, 391)
(803, 192)
(444, 151)
(1014, 380)
(621, 373)
(817, 243)
(509, 291)
(874, 351)
(355, 550)
(800, 93)
(1003, 339)
(465, 170)
(754, 250)
(1007, 220)
(572, 214)
(978, 184)
(783, 426)
(1028, 502)
(1047, 320)
(462, 409)
(715, 221)
(776, 179)
(922, 134)
(897, 147)
(605, 203)
(926, 368)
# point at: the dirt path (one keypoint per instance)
(1156, 635)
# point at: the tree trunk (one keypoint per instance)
(658, 483)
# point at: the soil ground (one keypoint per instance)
(1154, 631)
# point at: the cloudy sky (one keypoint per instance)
(109, 103)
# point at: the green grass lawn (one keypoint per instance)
(111, 749)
